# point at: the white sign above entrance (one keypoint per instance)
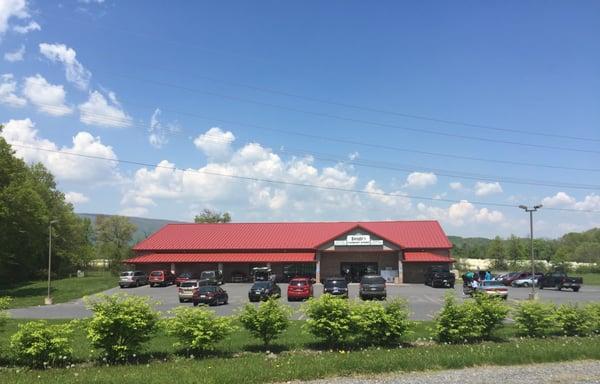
(357, 239)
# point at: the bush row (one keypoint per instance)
(539, 319)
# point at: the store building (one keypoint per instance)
(400, 251)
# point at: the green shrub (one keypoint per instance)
(593, 310)
(198, 329)
(4, 303)
(120, 324)
(376, 324)
(490, 312)
(329, 318)
(454, 324)
(534, 318)
(573, 320)
(267, 321)
(40, 345)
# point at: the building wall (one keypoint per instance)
(331, 261)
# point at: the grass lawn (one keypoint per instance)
(589, 278)
(240, 359)
(33, 293)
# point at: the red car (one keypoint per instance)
(162, 277)
(184, 276)
(299, 289)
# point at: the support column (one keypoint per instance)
(400, 268)
(318, 268)
(173, 268)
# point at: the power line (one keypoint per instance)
(319, 100)
(332, 139)
(361, 121)
(283, 182)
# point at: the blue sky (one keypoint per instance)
(310, 93)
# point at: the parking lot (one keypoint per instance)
(424, 301)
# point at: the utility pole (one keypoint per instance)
(532, 295)
(48, 299)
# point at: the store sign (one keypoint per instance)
(357, 239)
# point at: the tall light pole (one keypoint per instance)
(532, 295)
(48, 299)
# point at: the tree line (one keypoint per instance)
(581, 247)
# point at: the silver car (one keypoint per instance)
(186, 290)
(132, 279)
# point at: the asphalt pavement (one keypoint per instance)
(424, 301)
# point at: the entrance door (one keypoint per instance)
(355, 271)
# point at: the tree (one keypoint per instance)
(113, 237)
(515, 250)
(210, 216)
(496, 252)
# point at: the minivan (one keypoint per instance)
(162, 277)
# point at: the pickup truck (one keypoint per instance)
(439, 277)
(560, 280)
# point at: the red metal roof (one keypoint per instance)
(282, 236)
(296, 257)
(425, 257)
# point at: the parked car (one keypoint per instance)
(132, 279)
(560, 280)
(337, 286)
(508, 279)
(299, 288)
(262, 290)
(209, 294)
(526, 282)
(215, 277)
(185, 276)
(439, 277)
(161, 277)
(372, 287)
(186, 290)
(490, 287)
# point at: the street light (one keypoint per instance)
(48, 299)
(532, 295)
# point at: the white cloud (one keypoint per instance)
(215, 143)
(134, 211)
(15, 56)
(420, 179)
(560, 199)
(23, 29)
(63, 166)
(8, 86)
(49, 98)
(102, 112)
(159, 132)
(11, 9)
(589, 203)
(456, 186)
(353, 156)
(76, 198)
(392, 199)
(484, 189)
(74, 71)
(458, 214)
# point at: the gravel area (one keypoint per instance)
(565, 372)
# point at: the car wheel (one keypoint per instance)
(195, 303)
(451, 286)
(575, 289)
(526, 285)
(181, 300)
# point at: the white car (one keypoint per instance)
(527, 282)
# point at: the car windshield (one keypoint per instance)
(298, 283)
(373, 280)
(126, 273)
(156, 273)
(261, 284)
(335, 283)
(207, 274)
(208, 288)
(186, 275)
(188, 284)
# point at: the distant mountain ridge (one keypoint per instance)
(145, 226)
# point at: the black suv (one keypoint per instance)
(337, 286)
(262, 290)
(212, 277)
(439, 277)
(372, 287)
